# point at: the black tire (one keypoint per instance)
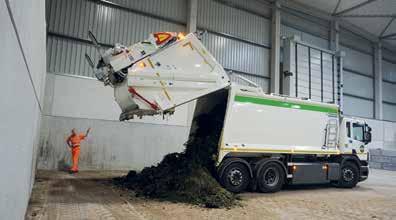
(349, 175)
(235, 178)
(270, 177)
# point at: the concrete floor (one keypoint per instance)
(87, 195)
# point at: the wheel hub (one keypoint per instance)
(270, 177)
(235, 177)
(348, 175)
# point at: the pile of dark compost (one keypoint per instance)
(188, 176)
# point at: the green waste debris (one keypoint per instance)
(189, 176)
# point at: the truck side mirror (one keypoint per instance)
(367, 137)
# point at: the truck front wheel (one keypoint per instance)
(270, 178)
(235, 178)
(349, 175)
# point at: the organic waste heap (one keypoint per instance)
(187, 176)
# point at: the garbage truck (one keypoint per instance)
(266, 140)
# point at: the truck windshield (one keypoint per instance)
(358, 131)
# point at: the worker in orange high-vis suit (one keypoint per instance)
(74, 141)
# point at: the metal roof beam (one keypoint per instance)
(369, 16)
(389, 36)
(314, 12)
(386, 27)
(354, 7)
(336, 7)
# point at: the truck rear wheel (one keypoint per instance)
(235, 178)
(349, 175)
(270, 178)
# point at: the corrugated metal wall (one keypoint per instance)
(288, 31)
(358, 62)
(311, 30)
(316, 74)
(73, 18)
(242, 45)
(237, 55)
(389, 88)
(239, 40)
(351, 40)
(358, 81)
(238, 36)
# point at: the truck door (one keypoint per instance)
(355, 134)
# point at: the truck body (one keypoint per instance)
(266, 140)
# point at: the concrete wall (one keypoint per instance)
(22, 61)
(76, 102)
(384, 134)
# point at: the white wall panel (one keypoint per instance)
(222, 18)
(389, 92)
(19, 112)
(358, 85)
(87, 98)
(377, 132)
(389, 71)
(239, 56)
(358, 107)
(389, 112)
(388, 54)
(383, 134)
(315, 73)
(389, 135)
(29, 17)
(111, 145)
(358, 61)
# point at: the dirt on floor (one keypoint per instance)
(88, 195)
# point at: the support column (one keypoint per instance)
(378, 82)
(275, 48)
(192, 16)
(335, 35)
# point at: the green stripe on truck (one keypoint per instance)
(284, 104)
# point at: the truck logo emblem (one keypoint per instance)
(361, 149)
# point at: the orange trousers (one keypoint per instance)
(75, 155)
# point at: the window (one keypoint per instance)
(348, 127)
(358, 131)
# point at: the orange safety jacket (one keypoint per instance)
(76, 139)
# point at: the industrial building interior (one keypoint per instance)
(338, 54)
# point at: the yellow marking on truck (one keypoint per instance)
(164, 88)
(188, 44)
(151, 63)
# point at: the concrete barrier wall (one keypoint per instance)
(112, 145)
(22, 61)
(383, 134)
(383, 159)
(77, 102)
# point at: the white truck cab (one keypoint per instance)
(265, 140)
(355, 134)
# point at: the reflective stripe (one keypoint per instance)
(251, 150)
(285, 104)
